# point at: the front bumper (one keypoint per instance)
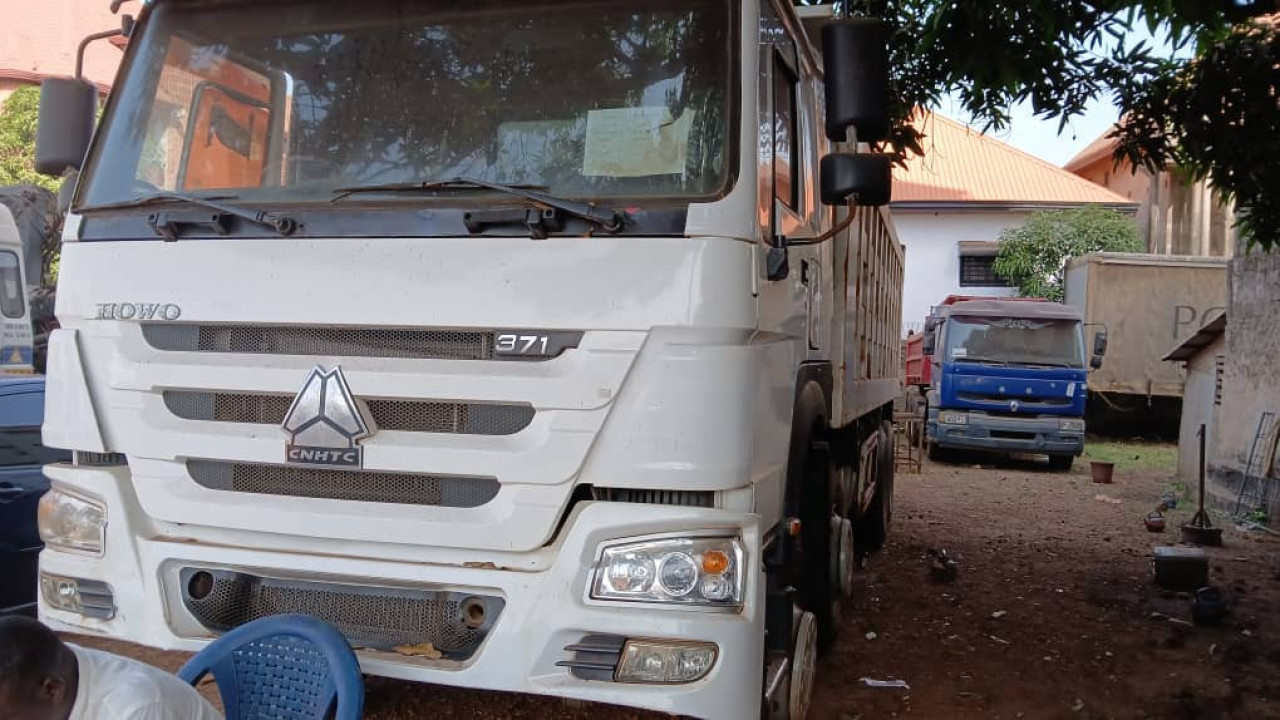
(544, 594)
(1006, 434)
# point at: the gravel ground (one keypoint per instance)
(1053, 615)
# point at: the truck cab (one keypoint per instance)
(1007, 375)
(16, 333)
(560, 338)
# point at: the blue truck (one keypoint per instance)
(1006, 375)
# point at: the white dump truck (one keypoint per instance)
(537, 346)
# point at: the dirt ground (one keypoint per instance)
(1053, 615)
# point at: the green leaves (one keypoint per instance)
(18, 140)
(1033, 257)
(1216, 115)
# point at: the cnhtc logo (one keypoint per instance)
(325, 423)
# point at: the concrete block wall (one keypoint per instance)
(1251, 377)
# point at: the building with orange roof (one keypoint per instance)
(1176, 217)
(951, 204)
(40, 40)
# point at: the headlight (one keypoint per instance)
(692, 571)
(1073, 425)
(953, 417)
(72, 522)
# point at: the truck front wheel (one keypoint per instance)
(1061, 463)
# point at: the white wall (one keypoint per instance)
(933, 256)
(1198, 408)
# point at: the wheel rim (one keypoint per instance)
(848, 560)
(804, 662)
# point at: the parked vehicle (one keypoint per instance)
(16, 336)
(21, 484)
(1003, 375)
(494, 331)
(1148, 303)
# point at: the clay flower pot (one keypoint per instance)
(1102, 471)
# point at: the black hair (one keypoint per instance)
(29, 651)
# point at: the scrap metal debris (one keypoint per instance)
(872, 682)
(942, 567)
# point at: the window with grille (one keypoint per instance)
(979, 270)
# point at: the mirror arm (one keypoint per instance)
(84, 44)
(839, 228)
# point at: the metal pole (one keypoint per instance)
(1201, 433)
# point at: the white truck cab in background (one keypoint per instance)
(559, 338)
(16, 334)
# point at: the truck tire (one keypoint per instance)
(812, 484)
(1061, 463)
(939, 454)
(875, 524)
(819, 595)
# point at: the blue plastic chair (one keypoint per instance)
(283, 667)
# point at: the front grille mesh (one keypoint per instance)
(350, 485)
(404, 415)
(323, 341)
(684, 498)
(370, 617)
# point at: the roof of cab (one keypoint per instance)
(1013, 309)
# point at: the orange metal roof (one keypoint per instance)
(962, 165)
(1104, 146)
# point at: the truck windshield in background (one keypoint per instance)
(287, 102)
(1015, 341)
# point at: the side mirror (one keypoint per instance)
(1099, 344)
(1095, 362)
(867, 178)
(930, 342)
(65, 126)
(930, 324)
(855, 56)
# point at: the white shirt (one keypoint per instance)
(118, 688)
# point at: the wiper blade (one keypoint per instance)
(608, 219)
(168, 227)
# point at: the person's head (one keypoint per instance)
(37, 672)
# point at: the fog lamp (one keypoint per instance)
(665, 661)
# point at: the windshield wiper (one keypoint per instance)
(608, 219)
(985, 361)
(168, 225)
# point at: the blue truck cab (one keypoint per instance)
(1008, 376)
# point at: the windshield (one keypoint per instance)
(286, 102)
(1015, 341)
(12, 293)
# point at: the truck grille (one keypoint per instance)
(371, 617)
(351, 485)
(338, 342)
(405, 415)
(1028, 402)
(594, 657)
(324, 341)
